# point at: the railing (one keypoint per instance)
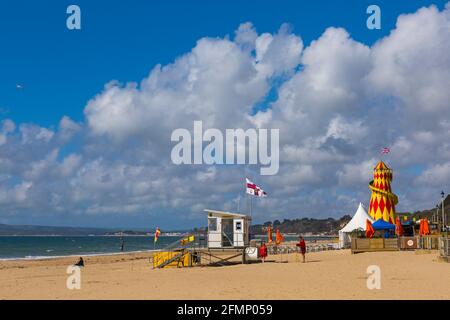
(310, 247)
(444, 247)
(428, 242)
(200, 241)
(178, 249)
(174, 245)
(323, 247)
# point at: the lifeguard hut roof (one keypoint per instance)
(225, 214)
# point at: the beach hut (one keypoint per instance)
(357, 223)
(227, 229)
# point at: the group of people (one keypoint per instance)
(301, 245)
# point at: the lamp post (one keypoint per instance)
(436, 217)
(443, 214)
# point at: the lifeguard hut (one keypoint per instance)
(227, 229)
(227, 239)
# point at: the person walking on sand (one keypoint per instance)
(263, 252)
(302, 245)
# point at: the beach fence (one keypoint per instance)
(292, 248)
(430, 242)
(316, 247)
(444, 248)
(374, 244)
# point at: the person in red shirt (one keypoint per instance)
(302, 245)
(263, 252)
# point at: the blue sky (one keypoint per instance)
(359, 74)
(63, 69)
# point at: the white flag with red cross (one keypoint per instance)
(253, 189)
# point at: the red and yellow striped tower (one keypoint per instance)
(382, 201)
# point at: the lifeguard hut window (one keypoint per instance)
(238, 225)
(212, 224)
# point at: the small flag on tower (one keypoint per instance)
(385, 150)
(254, 190)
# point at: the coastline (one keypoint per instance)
(47, 247)
(37, 258)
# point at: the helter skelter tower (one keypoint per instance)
(382, 201)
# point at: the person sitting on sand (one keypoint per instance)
(263, 252)
(302, 245)
(80, 263)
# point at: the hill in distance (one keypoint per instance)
(32, 230)
(329, 226)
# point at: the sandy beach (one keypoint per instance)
(326, 275)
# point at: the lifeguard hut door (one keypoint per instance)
(214, 232)
(238, 236)
(227, 232)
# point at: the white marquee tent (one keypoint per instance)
(358, 222)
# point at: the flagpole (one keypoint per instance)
(238, 202)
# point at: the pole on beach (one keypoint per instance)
(443, 214)
(436, 218)
(281, 256)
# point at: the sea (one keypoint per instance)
(41, 247)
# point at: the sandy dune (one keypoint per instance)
(326, 275)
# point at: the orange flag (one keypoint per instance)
(269, 234)
(369, 229)
(279, 237)
(425, 227)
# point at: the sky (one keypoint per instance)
(85, 137)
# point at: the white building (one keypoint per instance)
(227, 230)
